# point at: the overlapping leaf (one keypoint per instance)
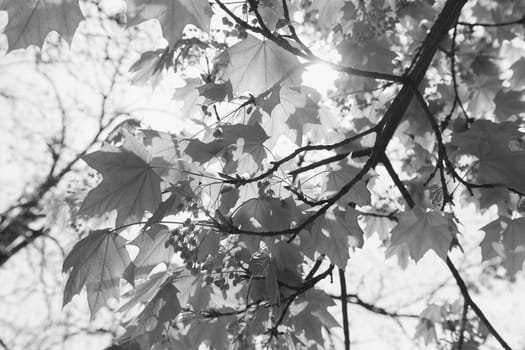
(173, 15)
(498, 148)
(98, 262)
(152, 251)
(514, 245)
(334, 234)
(314, 315)
(338, 177)
(149, 325)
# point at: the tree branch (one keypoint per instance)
(468, 299)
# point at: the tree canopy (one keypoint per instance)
(235, 227)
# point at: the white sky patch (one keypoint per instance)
(320, 77)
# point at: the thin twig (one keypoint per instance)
(344, 306)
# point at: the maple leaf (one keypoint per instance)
(492, 238)
(313, 314)
(150, 66)
(482, 99)
(152, 251)
(211, 332)
(426, 328)
(173, 15)
(31, 20)
(264, 214)
(261, 215)
(216, 92)
(144, 292)
(335, 233)
(254, 137)
(200, 294)
(130, 185)
(307, 114)
(203, 152)
(509, 103)
(380, 225)
(271, 12)
(190, 96)
(338, 177)
(517, 81)
(329, 12)
(174, 204)
(150, 323)
(98, 262)
(514, 245)
(375, 55)
(423, 231)
(255, 66)
(500, 163)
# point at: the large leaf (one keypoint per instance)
(98, 261)
(173, 15)
(31, 20)
(424, 231)
(255, 66)
(130, 185)
(497, 146)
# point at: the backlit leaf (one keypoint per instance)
(514, 244)
(173, 15)
(255, 66)
(152, 250)
(424, 231)
(130, 185)
(31, 20)
(98, 262)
